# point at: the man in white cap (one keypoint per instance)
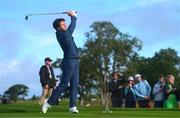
(142, 90)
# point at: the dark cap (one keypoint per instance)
(48, 59)
(56, 23)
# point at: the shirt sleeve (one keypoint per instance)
(72, 25)
(155, 89)
(131, 88)
(42, 75)
(148, 88)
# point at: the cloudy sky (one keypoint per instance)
(25, 44)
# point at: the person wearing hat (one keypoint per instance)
(130, 98)
(142, 91)
(116, 87)
(70, 63)
(47, 80)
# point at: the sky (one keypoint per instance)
(25, 43)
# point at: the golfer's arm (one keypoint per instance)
(72, 25)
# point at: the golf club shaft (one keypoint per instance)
(47, 13)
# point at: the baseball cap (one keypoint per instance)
(137, 75)
(130, 78)
(48, 59)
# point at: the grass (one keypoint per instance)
(28, 109)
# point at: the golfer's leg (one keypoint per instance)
(74, 83)
(66, 76)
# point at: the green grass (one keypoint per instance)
(32, 110)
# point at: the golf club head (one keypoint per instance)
(26, 17)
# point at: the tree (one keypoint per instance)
(17, 91)
(106, 50)
(57, 63)
(34, 97)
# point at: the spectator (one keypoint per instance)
(170, 93)
(47, 79)
(158, 92)
(142, 90)
(130, 94)
(116, 88)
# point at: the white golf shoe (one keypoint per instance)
(73, 110)
(45, 106)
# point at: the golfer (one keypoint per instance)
(70, 64)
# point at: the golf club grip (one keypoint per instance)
(67, 12)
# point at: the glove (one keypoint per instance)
(72, 13)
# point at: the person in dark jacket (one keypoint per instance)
(70, 63)
(116, 88)
(47, 80)
(130, 97)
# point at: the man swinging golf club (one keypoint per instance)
(70, 64)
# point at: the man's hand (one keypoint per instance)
(146, 97)
(174, 89)
(161, 90)
(71, 13)
(120, 74)
(120, 87)
(129, 85)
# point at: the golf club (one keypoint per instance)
(27, 16)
